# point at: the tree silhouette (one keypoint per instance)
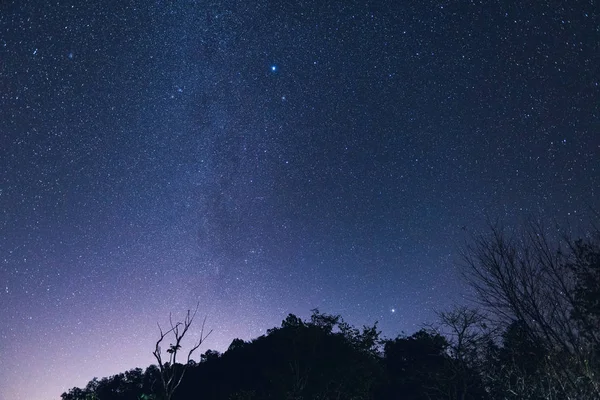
(547, 290)
(416, 365)
(535, 336)
(468, 334)
(171, 373)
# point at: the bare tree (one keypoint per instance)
(171, 374)
(527, 278)
(468, 334)
(523, 278)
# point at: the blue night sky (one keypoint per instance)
(266, 158)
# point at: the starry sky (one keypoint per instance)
(266, 158)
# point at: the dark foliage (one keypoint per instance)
(535, 336)
(323, 358)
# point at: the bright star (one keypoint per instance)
(273, 68)
(393, 310)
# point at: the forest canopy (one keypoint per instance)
(531, 333)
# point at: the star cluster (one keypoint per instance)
(269, 157)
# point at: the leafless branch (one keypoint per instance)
(172, 374)
(526, 277)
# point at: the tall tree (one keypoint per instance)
(545, 286)
(171, 373)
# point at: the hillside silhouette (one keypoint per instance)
(534, 334)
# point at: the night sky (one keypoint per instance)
(266, 159)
